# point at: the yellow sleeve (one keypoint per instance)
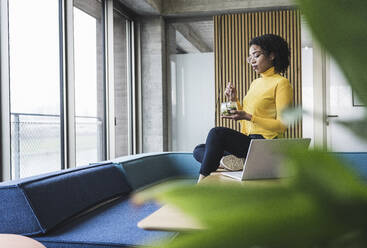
(283, 99)
(239, 106)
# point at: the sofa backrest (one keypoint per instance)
(35, 205)
(142, 171)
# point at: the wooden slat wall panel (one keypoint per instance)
(232, 35)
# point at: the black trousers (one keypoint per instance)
(221, 141)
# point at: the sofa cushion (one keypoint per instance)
(16, 216)
(153, 168)
(112, 225)
(43, 202)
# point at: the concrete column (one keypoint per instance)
(153, 75)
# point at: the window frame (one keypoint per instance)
(5, 152)
(67, 83)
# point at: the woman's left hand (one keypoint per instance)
(238, 115)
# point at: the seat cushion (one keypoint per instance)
(112, 225)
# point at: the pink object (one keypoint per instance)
(18, 241)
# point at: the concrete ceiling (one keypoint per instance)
(204, 30)
(194, 37)
(187, 8)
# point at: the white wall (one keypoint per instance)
(193, 99)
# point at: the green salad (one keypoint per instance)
(226, 107)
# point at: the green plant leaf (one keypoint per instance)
(328, 172)
(337, 186)
(324, 200)
(292, 114)
(247, 216)
(340, 27)
(357, 126)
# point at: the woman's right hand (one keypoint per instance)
(231, 92)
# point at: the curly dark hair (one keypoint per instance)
(271, 43)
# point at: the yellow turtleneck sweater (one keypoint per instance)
(265, 100)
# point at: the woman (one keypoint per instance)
(260, 113)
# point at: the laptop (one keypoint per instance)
(264, 159)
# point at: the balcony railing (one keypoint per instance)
(36, 142)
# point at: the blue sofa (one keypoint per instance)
(89, 206)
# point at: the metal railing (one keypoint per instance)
(36, 141)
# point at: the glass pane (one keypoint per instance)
(34, 86)
(121, 89)
(89, 83)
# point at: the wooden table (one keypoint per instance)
(170, 218)
(18, 241)
(217, 177)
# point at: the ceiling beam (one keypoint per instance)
(144, 7)
(177, 8)
(192, 37)
(180, 50)
(156, 4)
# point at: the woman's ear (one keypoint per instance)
(272, 56)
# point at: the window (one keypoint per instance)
(34, 64)
(55, 90)
(89, 81)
